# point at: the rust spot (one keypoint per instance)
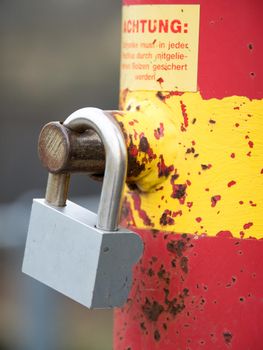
(163, 275)
(150, 272)
(231, 183)
(227, 337)
(178, 189)
(134, 166)
(186, 292)
(142, 325)
(160, 96)
(177, 247)
(152, 310)
(157, 335)
(173, 263)
(184, 264)
(166, 218)
(190, 150)
(132, 186)
(175, 306)
(144, 145)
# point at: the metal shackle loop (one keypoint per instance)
(116, 161)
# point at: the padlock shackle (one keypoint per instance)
(116, 161)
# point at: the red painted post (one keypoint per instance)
(202, 289)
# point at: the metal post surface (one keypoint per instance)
(196, 197)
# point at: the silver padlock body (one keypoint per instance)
(65, 251)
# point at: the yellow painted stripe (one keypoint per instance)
(213, 147)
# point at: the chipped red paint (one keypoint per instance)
(142, 213)
(194, 293)
(127, 212)
(133, 150)
(231, 183)
(166, 218)
(184, 113)
(214, 200)
(224, 234)
(159, 132)
(176, 213)
(247, 226)
(233, 67)
(145, 147)
(251, 144)
(160, 80)
(164, 170)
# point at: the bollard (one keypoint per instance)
(196, 198)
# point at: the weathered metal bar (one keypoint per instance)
(62, 150)
(57, 189)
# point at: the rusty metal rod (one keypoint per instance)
(62, 150)
(57, 189)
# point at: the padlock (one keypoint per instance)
(85, 256)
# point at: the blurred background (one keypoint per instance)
(56, 56)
